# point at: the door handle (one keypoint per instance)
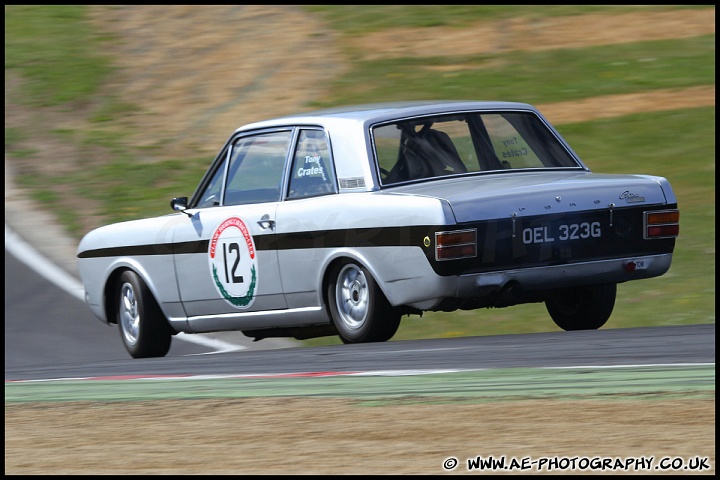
(266, 223)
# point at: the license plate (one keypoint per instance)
(562, 232)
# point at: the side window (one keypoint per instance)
(213, 190)
(256, 169)
(312, 171)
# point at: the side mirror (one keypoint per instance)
(179, 203)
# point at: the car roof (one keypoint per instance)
(379, 112)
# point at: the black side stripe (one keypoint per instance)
(151, 249)
(505, 239)
(353, 237)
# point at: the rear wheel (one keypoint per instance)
(359, 309)
(143, 327)
(582, 308)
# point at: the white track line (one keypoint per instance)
(27, 254)
(24, 252)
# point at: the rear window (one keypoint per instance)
(457, 144)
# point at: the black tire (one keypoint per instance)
(360, 311)
(582, 308)
(144, 330)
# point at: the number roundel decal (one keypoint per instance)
(233, 262)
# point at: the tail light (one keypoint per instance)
(662, 224)
(455, 244)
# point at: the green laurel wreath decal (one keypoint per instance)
(243, 301)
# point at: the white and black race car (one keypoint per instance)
(340, 222)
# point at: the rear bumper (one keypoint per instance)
(559, 276)
(471, 289)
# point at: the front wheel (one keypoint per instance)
(582, 308)
(359, 309)
(143, 328)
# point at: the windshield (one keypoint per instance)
(471, 142)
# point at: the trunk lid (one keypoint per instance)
(538, 193)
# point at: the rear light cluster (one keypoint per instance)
(662, 224)
(455, 244)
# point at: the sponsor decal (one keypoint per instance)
(233, 262)
(312, 168)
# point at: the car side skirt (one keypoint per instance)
(291, 317)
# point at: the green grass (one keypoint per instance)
(60, 60)
(533, 77)
(362, 19)
(55, 50)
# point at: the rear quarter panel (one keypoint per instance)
(372, 228)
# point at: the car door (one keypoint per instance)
(225, 266)
(305, 216)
